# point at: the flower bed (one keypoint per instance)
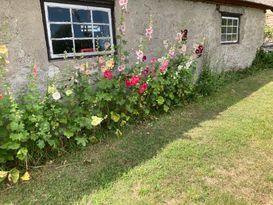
(78, 110)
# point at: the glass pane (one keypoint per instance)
(56, 14)
(234, 37)
(101, 31)
(84, 46)
(103, 44)
(100, 17)
(224, 30)
(224, 38)
(229, 38)
(82, 31)
(60, 30)
(224, 22)
(229, 30)
(81, 16)
(229, 22)
(235, 22)
(59, 47)
(234, 29)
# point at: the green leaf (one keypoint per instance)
(22, 153)
(115, 117)
(166, 108)
(41, 144)
(3, 175)
(13, 176)
(160, 100)
(10, 146)
(81, 141)
(68, 134)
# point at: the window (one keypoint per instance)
(230, 29)
(78, 30)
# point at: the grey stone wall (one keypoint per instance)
(21, 27)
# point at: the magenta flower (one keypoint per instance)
(153, 60)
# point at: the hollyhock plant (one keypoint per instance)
(153, 60)
(140, 55)
(143, 88)
(164, 66)
(133, 81)
(56, 96)
(199, 50)
(172, 53)
(145, 72)
(149, 32)
(123, 4)
(35, 71)
(184, 35)
(121, 68)
(108, 74)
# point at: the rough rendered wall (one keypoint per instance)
(203, 21)
(22, 28)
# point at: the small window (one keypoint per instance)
(230, 29)
(78, 30)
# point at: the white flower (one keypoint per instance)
(56, 96)
(180, 67)
(188, 64)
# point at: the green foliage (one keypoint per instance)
(268, 32)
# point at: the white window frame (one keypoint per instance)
(73, 38)
(232, 26)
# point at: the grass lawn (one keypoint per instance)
(218, 150)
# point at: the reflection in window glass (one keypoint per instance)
(60, 30)
(81, 16)
(84, 46)
(56, 14)
(100, 17)
(103, 44)
(61, 46)
(101, 31)
(82, 30)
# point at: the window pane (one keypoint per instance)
(60, 30)
(235, 22)
(224, 38)
(234, 29)
(100, 17)
(101, 31)
(56, 14)
(234, 37)
(84, 46)
(103, 44)
(229, 38)
(81, 16)
(229, 30)
(59, 47)
(82, 31)
(224, 22)
(229, 22)
(224, 29)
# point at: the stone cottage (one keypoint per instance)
(39, 31)
(269, 18)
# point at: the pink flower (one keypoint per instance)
(171, 53)
(121, 68)
(101, 60)
(149, 32)
(153, 60)
(143, 88)
(123, 4)
(183, 49)
(35, 71)
(164, 66)
(88, 72)
(108, 74)
(140, 55)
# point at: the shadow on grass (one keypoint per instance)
(98, 166)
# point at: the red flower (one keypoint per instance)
(1, 97)
(108, 74)
(133, 81)
(143, 88)
(35, 71)
(199, 50)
